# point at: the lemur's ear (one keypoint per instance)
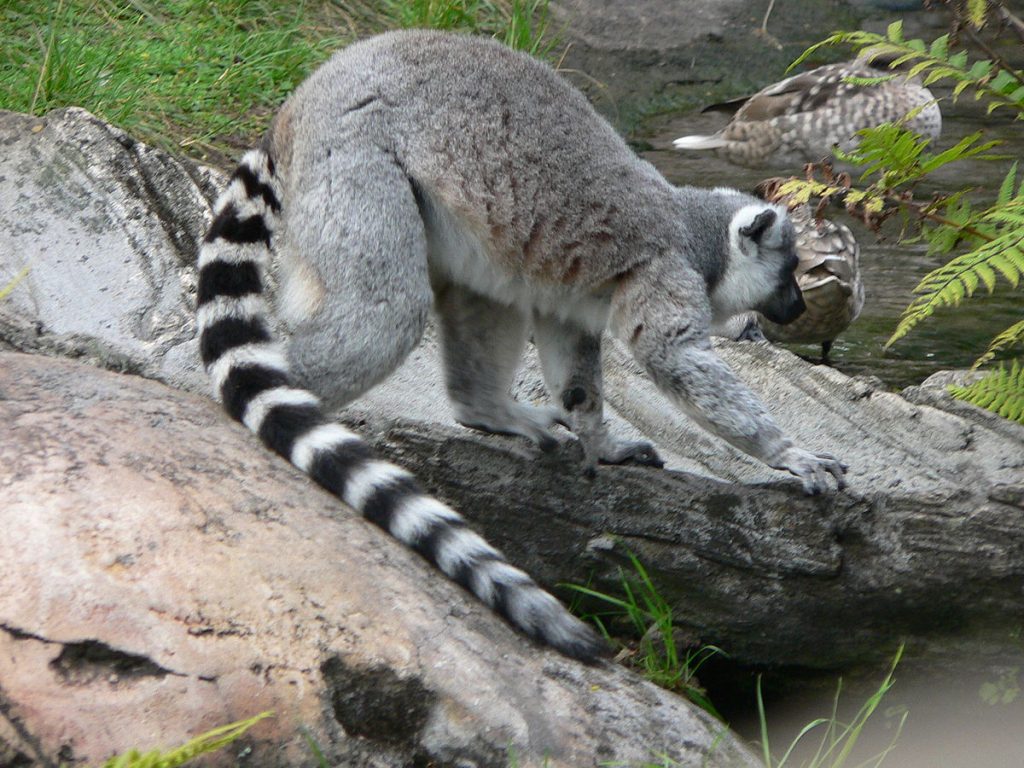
(755, 229)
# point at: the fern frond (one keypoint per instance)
(894, 161)
(1008, 339)
(1002, 391)
(959, 279)
(210, 741)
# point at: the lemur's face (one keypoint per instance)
(762, 266)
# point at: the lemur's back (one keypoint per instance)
(501, 147)
(408, 89)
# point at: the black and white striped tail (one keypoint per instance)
(249, 370)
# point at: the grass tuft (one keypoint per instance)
(653, 649)
(211, 741)
(837, 738)
(180, 74)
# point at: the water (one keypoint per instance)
(890, 271)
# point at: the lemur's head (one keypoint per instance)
(762, 260)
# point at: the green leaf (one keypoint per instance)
(987, 275)
(895, 32)
(869, 81)
(1006, 188)
(1007, 267)
(980, 69)
(962, 149)
(920, 67)
(1001, 391)
(1003, 82)
(939, 47)
(1009, 339)
(834, 39)
(976, 10)
(959, 88)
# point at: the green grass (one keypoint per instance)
(837, 739)
(520, 24)
(205, 77)
(640, 622)
(835, 745)
(314, 748)
(5, 290)
(435, 14)
(181, 74)
(651, 645)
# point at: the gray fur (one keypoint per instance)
(421, 170)
(419, 153)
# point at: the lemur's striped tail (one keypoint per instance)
(250, 373)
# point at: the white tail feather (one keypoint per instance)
(699, 142)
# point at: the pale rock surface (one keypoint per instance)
(927, 543)
(163, 575)
(107, 227)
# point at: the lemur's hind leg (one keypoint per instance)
(482, 343)
(355, 290)
(571, 360)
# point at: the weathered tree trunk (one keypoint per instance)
(926, 544)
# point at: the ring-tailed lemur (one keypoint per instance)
(421, 169)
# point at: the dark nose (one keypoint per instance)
(796, 306)
(787, 307)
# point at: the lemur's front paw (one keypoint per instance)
(636, 451)
(812, 469)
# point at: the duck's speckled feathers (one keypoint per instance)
(800, 119)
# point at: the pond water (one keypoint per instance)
(890, 270)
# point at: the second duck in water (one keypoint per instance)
(800, 119)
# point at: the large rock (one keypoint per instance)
(107, 227)
(162, 575)
(927, 542)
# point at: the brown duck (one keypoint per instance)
(801, 118)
